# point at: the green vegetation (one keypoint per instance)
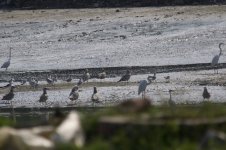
(159, 127)
(156, 128)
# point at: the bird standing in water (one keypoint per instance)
(69, 79)
(44, 96)
(216, 58)
(86, 76)
(102, 75)
(171, 102)
(125, 77)
(167, 79)
(95, 96)
(142, 86)
(205, 94)
(10, 95)
(7, 63)
(153, 77)
(74, 94)
(10, 84)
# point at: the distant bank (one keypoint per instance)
(45, 4)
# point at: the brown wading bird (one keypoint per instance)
(74, 94)
(95, 96)
(205, 94)
(10, 95)
(125, 77)
(44, 96)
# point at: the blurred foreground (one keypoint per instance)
(131, 125)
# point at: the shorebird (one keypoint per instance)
(7, 63)
(10, 84)
(10, 95)
(69, 79)
(153, 77)
(125, 77)
(79, 82)
(74, 94)
(49, 80)
(86, 76)
(102, 75)
(216, 58)
(44, 96)
(205, 94)
(95, 96)
(142, 86)
(167, 79)
(171, 102)
(33, 82)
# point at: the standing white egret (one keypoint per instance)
(142, 86)
(7, 63)
(216, 58)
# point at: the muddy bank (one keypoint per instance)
(37, 4)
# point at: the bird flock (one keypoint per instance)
(95, 98)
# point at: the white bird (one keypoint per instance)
(74, 94)
(216, 58)
(142, 86)
(7, 63)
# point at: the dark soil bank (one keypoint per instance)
(37, 4)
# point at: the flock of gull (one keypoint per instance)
(95, 98)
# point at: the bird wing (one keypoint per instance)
(125, 78)
(95, 97)
(74, 96)
(43, 98)
(142, 86)
(8, 96)
(6, 64)
(215, 60)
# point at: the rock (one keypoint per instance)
(70, 131)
